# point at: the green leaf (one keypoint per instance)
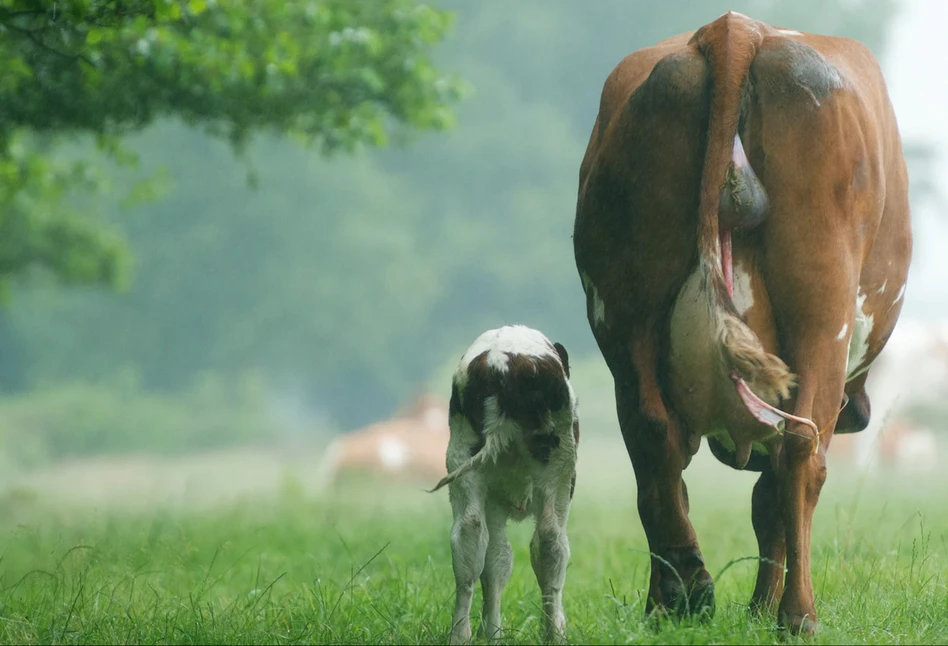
(95, 36)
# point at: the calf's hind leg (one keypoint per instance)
(549, 555)
(468, 549)
(498, 564)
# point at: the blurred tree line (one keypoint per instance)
(347, 279)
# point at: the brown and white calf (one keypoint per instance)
(512, 454)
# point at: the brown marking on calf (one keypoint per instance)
(527, 389)
(564, 357)
(482, 382)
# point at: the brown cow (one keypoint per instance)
(742, 235)
(412, 444)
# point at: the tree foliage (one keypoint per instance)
(339, 74)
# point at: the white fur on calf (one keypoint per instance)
(512, 454)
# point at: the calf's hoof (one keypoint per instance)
(488, 634)
(554, 632)
(460, 635)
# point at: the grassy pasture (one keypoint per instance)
(239, 549)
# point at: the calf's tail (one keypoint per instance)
(493, 446)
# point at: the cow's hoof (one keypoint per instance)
(799, 625)
(689, 590)
(702, 600)
(699, 600)
(760, 607)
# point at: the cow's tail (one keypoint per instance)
(730, 45)
(494, 445)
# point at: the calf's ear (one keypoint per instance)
(564, 357)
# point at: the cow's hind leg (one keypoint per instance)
(802, 474)
(771, 542)
(498, 565)
(818, 353)
(549, 555)
(821, 164)
(679, 580)
(819, 358)
(468, 549)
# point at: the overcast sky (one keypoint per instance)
(918, 84)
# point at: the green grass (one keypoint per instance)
(373, 566)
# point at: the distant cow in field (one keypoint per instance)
(411, 445)
(909, 447)
(902, 445)
(512, 454)
(743, 239)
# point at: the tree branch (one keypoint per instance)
(23, 12)
(29, 33)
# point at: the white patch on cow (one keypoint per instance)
(789, 32)
(881, 290)
(513, 339)
(842, 332)
(598, 306)
(693, 357)
(859, 341)
(743, 290)
(898, 297)
(393, 453)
